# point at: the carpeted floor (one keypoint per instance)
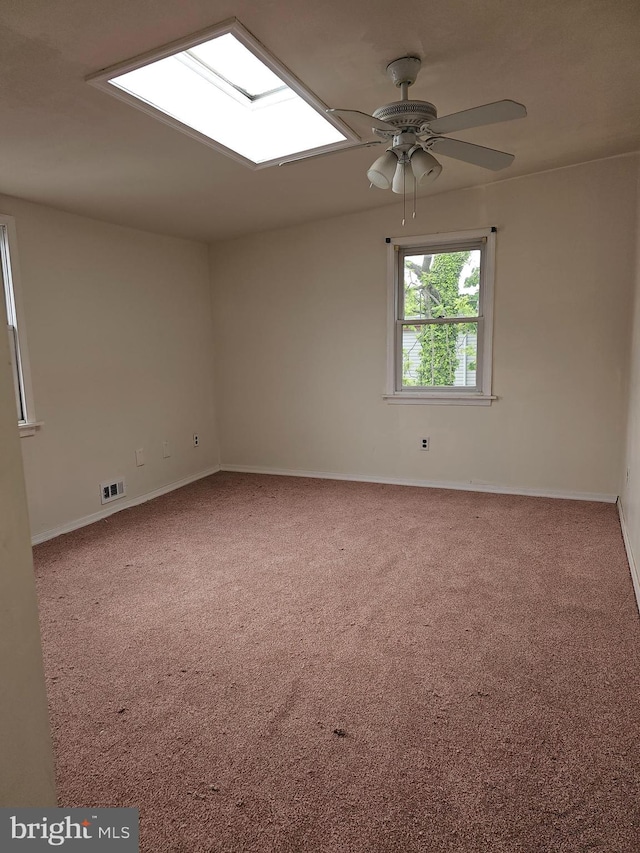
(280, 665)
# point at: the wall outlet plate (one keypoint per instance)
(424, 444)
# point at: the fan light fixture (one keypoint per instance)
(382, 171)
(399, 183)
(406, 161)
(424, 165)
(389, 171)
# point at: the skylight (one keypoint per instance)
(228, 92)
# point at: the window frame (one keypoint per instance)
(479, 395)
(12, 296)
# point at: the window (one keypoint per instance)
(15, 328)
(223, 88)
(440, 318)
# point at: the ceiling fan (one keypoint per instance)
(416, 133)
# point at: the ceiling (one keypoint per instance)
(575, 64)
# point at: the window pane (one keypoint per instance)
(439, 355)
(14, 348)
(14, 358)
(230, 58)
(445, 284)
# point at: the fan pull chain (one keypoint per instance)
(415, 196)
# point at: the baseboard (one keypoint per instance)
(635, 577)
(470, 486)
(360, 478)
(119, 506)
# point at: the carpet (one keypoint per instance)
(279, 665)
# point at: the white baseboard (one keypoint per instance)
(635, 577)
(470, 486)
(360, 478)
(119, 506)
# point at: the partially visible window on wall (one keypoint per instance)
(440, 322)
(16, 343)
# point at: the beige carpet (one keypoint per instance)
(280, 665)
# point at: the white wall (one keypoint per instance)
(122, 348)
(630, 497)
(26, 758)
(300, 328)
(119, 331)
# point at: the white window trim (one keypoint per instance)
(29, 425)
(445, 397)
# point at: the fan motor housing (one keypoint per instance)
(406, 114)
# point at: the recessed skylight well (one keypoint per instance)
(222, 87)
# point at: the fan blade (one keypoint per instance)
(326, 153)
(363, 123)
(478, 116)
(488, 158)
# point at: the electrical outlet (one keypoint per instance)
(166, 450)
(424, 444)
(196, 439)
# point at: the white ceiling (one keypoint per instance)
(575, 64)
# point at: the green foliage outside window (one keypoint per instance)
(434, 289)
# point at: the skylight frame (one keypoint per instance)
(101, 80)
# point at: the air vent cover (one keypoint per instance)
(111, 491)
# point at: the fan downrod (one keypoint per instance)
(405, 114)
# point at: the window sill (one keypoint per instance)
(29, 429)
(440, 399)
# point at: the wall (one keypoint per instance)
(119, 332)
(300, 330)
(26, 759)
(630, 497)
